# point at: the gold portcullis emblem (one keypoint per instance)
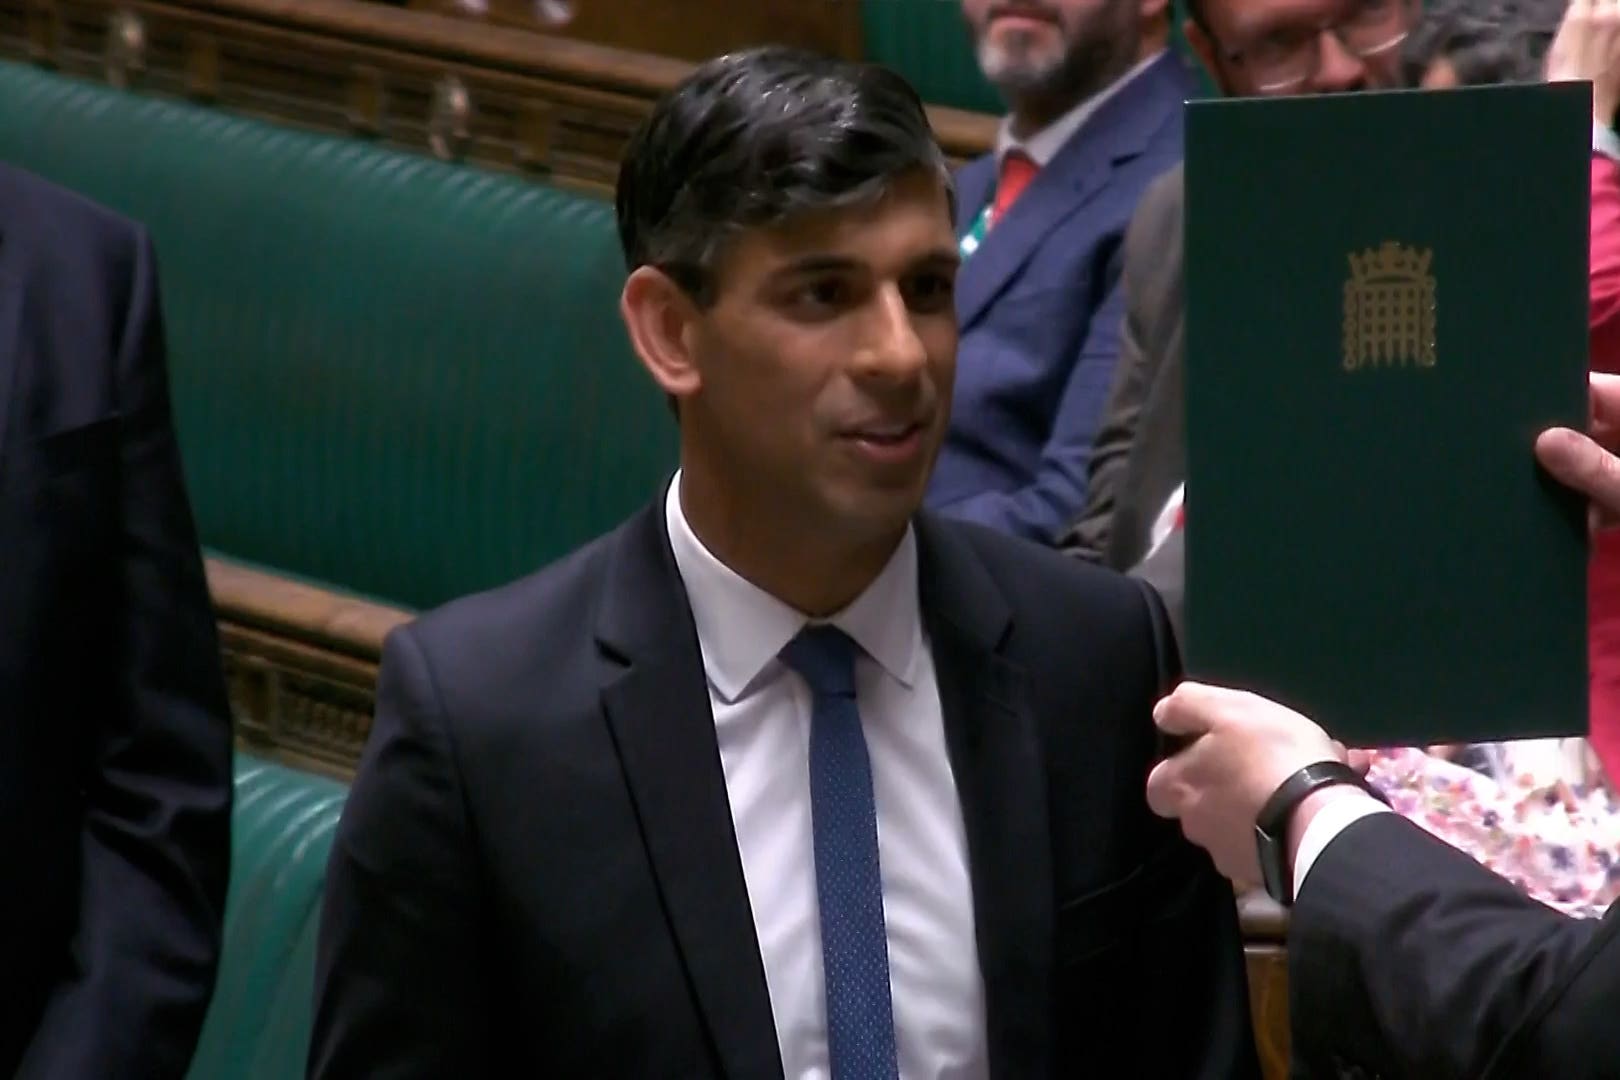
(1389, 308)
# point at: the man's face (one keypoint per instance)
(1051, 47)
(826, 362)
(1254, 47)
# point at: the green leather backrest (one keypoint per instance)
(392, 374)
(281, 832)
(928, 43)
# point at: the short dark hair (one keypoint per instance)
(753, 138)
(1485, 41)
(1195, 12)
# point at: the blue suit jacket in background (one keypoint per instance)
(1041, 304)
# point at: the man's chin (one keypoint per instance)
(1018, 74)
(872, 512)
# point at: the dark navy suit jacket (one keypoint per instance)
(537, 863)
(1041, 305)
(115, 735)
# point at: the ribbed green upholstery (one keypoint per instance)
(927, 42)
(392, 374)
(281, 832)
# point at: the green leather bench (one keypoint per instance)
(393, 375)
(258, 1023)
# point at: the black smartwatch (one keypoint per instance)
(1271, 824)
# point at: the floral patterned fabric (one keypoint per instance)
(1552, 830)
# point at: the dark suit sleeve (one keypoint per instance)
(1408, 958)
(1149, 244)
(1196, 1022)
(1044, 507)
(156, 836)
(400, 989)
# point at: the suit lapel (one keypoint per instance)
(1120, 130)
(658, 710)
(975, 184)
(1000, 775)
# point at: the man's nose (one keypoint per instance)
(1339, 69)
(891, 348)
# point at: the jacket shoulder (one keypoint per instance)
(31, 206)
(1046, 584)
(503, 635)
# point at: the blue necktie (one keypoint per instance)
(854, 945)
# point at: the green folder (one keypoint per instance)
(1386, 302)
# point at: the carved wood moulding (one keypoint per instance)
(505, 98)
(689, 29)
(301, 666)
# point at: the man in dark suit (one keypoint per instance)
(780, 778)
(1406, 957)
(1140, 458)
(1096, 102)
(115, 736)
(1249, 47)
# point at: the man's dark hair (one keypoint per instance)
(1195, 12)
(753, 138)
(1485, 41)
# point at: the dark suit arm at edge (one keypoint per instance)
(1408, 957)
(401, 988)
(1152, 257)
(156, 838)
(1088, 536)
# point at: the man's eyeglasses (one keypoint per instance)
(1286, 58)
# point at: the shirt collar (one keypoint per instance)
(1044, 145)
(741, 627)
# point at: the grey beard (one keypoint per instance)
(1082, 72)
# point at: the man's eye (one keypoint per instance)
(828, 293)
(931, 290)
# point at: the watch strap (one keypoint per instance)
(1271, 824)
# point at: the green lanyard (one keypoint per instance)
(975, 234)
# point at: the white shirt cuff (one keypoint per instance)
(1329, 822)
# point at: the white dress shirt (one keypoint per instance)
(762, 720)
(1325, 827)
(1044, 145)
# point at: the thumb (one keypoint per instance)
(1579, 463)
(1180, 713)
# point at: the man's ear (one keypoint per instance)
(660, 316)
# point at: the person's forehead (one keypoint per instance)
(913, 212)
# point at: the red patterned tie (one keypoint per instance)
(1017, 170)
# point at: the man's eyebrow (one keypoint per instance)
(817, 264)
(937, 259)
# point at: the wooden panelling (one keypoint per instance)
(1265, 937)
(301, 666)
(689, 29)
(508, 99)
